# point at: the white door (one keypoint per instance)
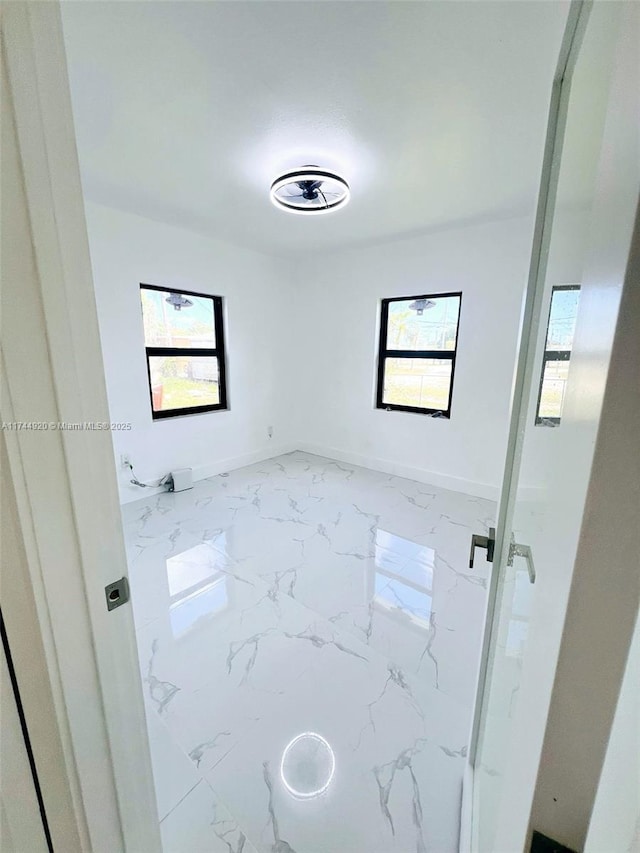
(76, 661)
(588, 199)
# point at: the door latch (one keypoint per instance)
(488, 542)
(517, 550)
(117, 593)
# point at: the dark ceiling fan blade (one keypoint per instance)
(301, 201)
(309, 185)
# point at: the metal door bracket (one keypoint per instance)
(517, 550)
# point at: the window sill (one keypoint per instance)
(435, 415)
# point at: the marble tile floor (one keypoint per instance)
(308, 634)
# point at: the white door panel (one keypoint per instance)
(594, 184)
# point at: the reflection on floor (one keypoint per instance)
(308, 636)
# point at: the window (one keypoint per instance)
(184, 344)
(417, 356)
(557, 352)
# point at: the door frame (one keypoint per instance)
(66, 497)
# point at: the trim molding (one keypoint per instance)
(432, 478)
(130, 493)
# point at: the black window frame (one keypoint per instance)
(552, 355)
(208, 352)
(384, 353)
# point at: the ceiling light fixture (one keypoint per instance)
(178, 301)
(419, 305)
(310, 190)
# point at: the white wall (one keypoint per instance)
(127, 250)
(339, 305)
(302, 350)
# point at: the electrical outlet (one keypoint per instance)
(270, 431)
(125, 460)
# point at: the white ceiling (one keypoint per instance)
(434, 112)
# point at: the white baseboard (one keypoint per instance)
(432, 478)
(129, 492)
